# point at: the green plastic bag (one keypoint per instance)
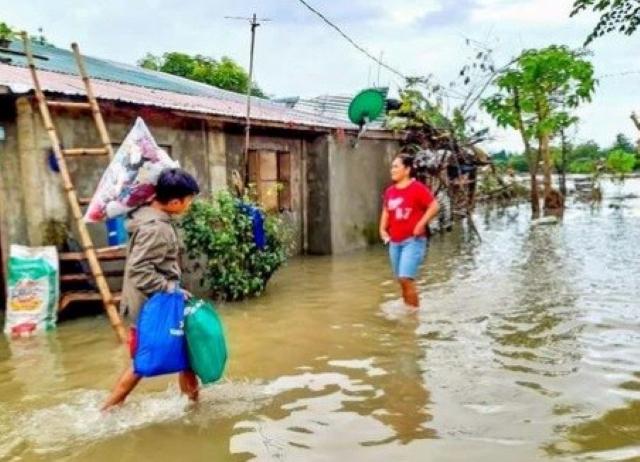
(205, 340)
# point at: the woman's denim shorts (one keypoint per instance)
(407, 256)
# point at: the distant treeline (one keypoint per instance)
(621, 156)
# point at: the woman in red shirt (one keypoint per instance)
(407, 209)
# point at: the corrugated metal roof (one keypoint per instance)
(18, 79)
(55, 59)
(122, 82)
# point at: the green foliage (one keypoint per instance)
(587, 150)
(225, 73)
(519, 163)
(500, 158)
(615, 15)
(6, 32)
(581, 158)
(623, 143)
(539, 88)
(537, 92)
(515, 161)
(621, 162)
(416, 111)
(9, 33)
(219, 233)
(582, 166)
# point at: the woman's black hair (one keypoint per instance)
(408, 161)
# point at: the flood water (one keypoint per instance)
(527, 347)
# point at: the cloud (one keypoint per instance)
(406, 12)
(524, 12)
(450, 13)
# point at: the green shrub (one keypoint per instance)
(519, 163)
(582, 166)
(6, 33)
(217, 232)
(621, 162)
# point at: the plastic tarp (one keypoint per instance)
(129, 180)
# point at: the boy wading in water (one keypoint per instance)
(407, 209)
(153, 266)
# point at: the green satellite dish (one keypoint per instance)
(366, 106)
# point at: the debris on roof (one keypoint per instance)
(333, 106)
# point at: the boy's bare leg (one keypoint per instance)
(410, 293)
(127, 382)
(189, 384)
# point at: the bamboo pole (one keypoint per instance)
(68, 105)
(72, 197)
(95, 108)
(85, 152)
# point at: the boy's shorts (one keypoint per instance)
(407, 256)
(133, 342)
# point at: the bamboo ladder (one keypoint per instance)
(79, 153)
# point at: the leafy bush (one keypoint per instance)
(582, 166)
(219, 233)
(224, 73)
(621, 162)
(519, 164)
(6, 33)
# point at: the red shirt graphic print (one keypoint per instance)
(406, 207)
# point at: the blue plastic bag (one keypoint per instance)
(116, 231)
(257, 224)
(162, 348)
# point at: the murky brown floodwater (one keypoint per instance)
(527, 348)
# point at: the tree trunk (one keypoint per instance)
(545, 155)
(563, 164)
(533, 162)
(535, 197)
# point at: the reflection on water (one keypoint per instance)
(526, 348)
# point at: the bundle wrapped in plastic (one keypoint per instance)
(129, 180)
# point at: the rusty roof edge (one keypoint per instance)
(21, 88)
(310, 126)
(377, 134)
(254, 122)
(327, 124)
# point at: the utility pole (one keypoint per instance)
(254, 23)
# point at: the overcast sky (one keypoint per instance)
(297, 54)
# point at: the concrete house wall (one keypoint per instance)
(358, 177)
(345, 184)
